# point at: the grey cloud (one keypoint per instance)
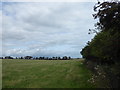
(47, 29)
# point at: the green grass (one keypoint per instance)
(45, 74)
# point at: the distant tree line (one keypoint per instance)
(38, 58)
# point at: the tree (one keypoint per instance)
(59, 58)
(28, 57)
(21, 57)
(64, 58)
(1, 57)
(8, 57)
(36, 58)
(108, 14)
(69, 57)
(104, 47)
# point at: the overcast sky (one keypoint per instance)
(46, 28)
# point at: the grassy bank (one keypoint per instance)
(45, 74)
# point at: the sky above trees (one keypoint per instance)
(46, 28)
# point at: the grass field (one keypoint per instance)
(45, 74)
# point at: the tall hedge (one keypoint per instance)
(105, 46)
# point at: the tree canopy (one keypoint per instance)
(104, 47)
(108, 14)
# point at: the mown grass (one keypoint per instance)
(45, 74)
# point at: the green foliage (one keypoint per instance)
(104, 48)
(108, 14)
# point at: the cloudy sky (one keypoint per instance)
(46, 28)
